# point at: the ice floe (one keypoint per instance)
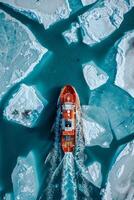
(45, 12)
(87, 2)
(94, 76)
(25, 178)
(120, 183)
(96, 127)
(119, 108)
(25, 106)
(71, 35)
(125, 63)
(19, 52)
(95, 172)
(102, 20)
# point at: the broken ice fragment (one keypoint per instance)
(25, 179)
(95, 172)
(45, 12)
(120, 183)
(94, 76)
(102, 20)
(96, 127)
(87, 2)
(19, 52)
(71, 35)
(96, 25)
(25, 107)
(125, 63)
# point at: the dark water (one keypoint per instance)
(62, 66)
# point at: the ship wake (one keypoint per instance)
(67, 177)
(69, 181)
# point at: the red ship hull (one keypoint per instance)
(69, 102)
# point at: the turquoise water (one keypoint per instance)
(62, 66)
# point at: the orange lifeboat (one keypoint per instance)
(69, 103)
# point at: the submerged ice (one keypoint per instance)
(120, 183)
(94, 76)
(103, 19)
(25, 106)
(19, 52)
(118, 107)
(96, 127)
(95, 172)
(25, 179)
(125, 63)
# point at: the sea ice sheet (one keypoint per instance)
(125, 63)
(120, 183)
(25, 106)
(94, 76)
(71, 35)
(19, 52)
(119, 107)
(44, 11)
(102, 20)
(95, 172)
(25, 179)
(96, 127)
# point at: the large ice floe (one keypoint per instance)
(95, 172)
(94, 76)
(120, 183)
(19, 52)
(25, 106)
(103, 19)
(125, 63)
(25, 179)
(119, 109)
(96, 128)
(45, 12)
(71, 35)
